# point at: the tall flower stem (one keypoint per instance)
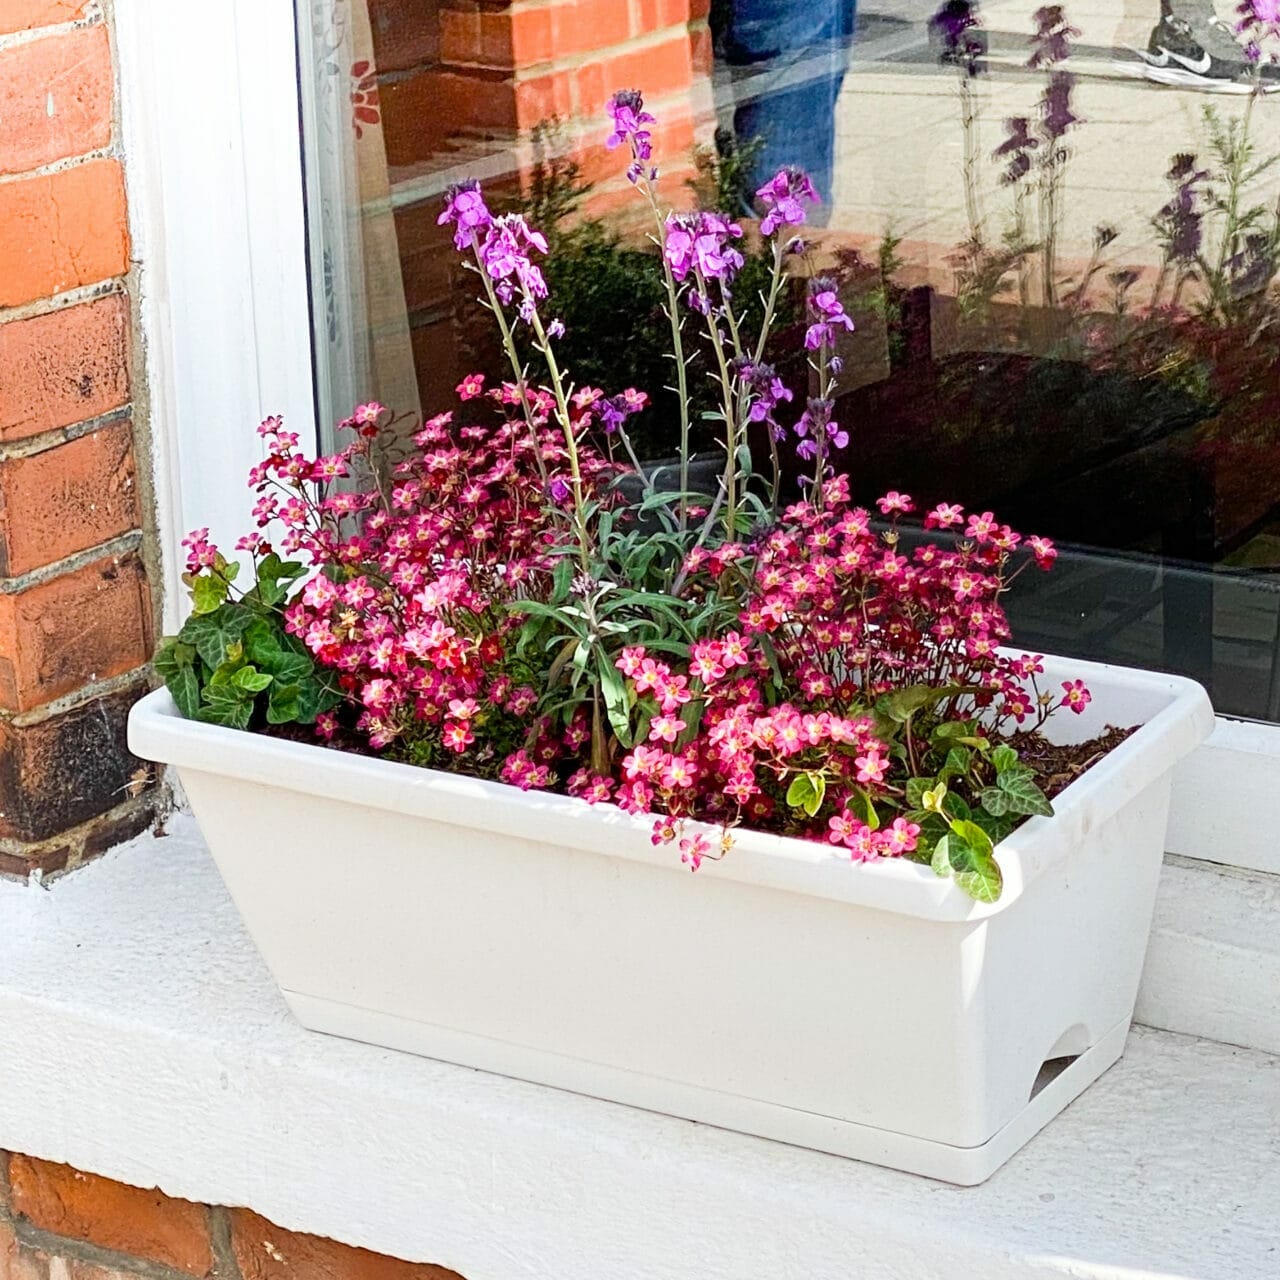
(677, 347)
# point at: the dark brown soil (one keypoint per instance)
(1059, 766)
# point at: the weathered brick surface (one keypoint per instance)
(266, 1252)
(55, 98)
(62, 230)
(90, 624)
(21, 15)
(83, 1206)
(64, 367)
(17, 1263)
(67, 499)
(61, 771)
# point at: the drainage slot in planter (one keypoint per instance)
(1050, 1070)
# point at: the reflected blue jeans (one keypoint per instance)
(805, 44)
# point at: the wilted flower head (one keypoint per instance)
(701, 242)
(784, 197)
(957, 31)
(464, 206)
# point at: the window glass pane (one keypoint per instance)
(1056, 229)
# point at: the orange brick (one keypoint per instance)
(21, 15)
(62, 230)
(701, 51)
(55, 98)
(66, 499)
(266, 1252)
(660, 69)
(83, 1206)
(87, 625)
(61, 368)
(543, 97)
(422, 111)
(589, 26)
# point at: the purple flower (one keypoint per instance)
(555, 329)
(700, 242)
(826, 314)
(783, 197)
(1259, 21)
(1017, 148)
(505, 255)
(1052, 40)
(1055, 105)
(957, 31)
(816, 430)
(766, 390)
(558, 491)
(1180, 221)
(465, 207)
(626, 110)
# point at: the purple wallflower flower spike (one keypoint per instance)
(1017, 149)
(957, 32)
(784, 197)
(826, 314)
(701, 242)
(1259, 23)
(626, 110)
(505, 255)
(465, 207)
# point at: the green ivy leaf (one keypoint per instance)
(864, 802)
(956, 764)
(974, 869)
(949, 729)
(275, 576)
(994, 801)
(1004, 757)
(1024, 795)
(955, 806)
(902, 704)
(973, 836)
(916, 787)
(251, 679)
(228, 705)
(941, 860)
(284, 705)
(806, 792)
(184, 688)
(207, 593)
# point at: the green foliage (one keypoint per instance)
(233, 663)
(965, 791)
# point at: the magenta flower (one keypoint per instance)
(1075, 696)
(701, 242)
(505, 255)
(626, 110)
(465, 207)
(826, 314)
(784, 197)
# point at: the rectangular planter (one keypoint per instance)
(871, 1011)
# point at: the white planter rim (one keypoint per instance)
(157, 731)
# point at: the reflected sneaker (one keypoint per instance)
(1193, 48)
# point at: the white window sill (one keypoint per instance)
(143, 1039)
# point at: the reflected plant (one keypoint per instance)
(1050, 47)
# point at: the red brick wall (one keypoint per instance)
(76, 618)
(57, 1223)
(456, 75)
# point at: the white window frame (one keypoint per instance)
(211, 116)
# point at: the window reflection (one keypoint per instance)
(1056, 227)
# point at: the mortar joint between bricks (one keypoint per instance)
(56, 1246)
(29, 446)
(119, 547)
(225, 1264)
(91, 17)
(142, 676)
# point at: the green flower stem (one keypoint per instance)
(677, 346)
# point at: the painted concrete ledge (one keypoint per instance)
(141, 1038)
